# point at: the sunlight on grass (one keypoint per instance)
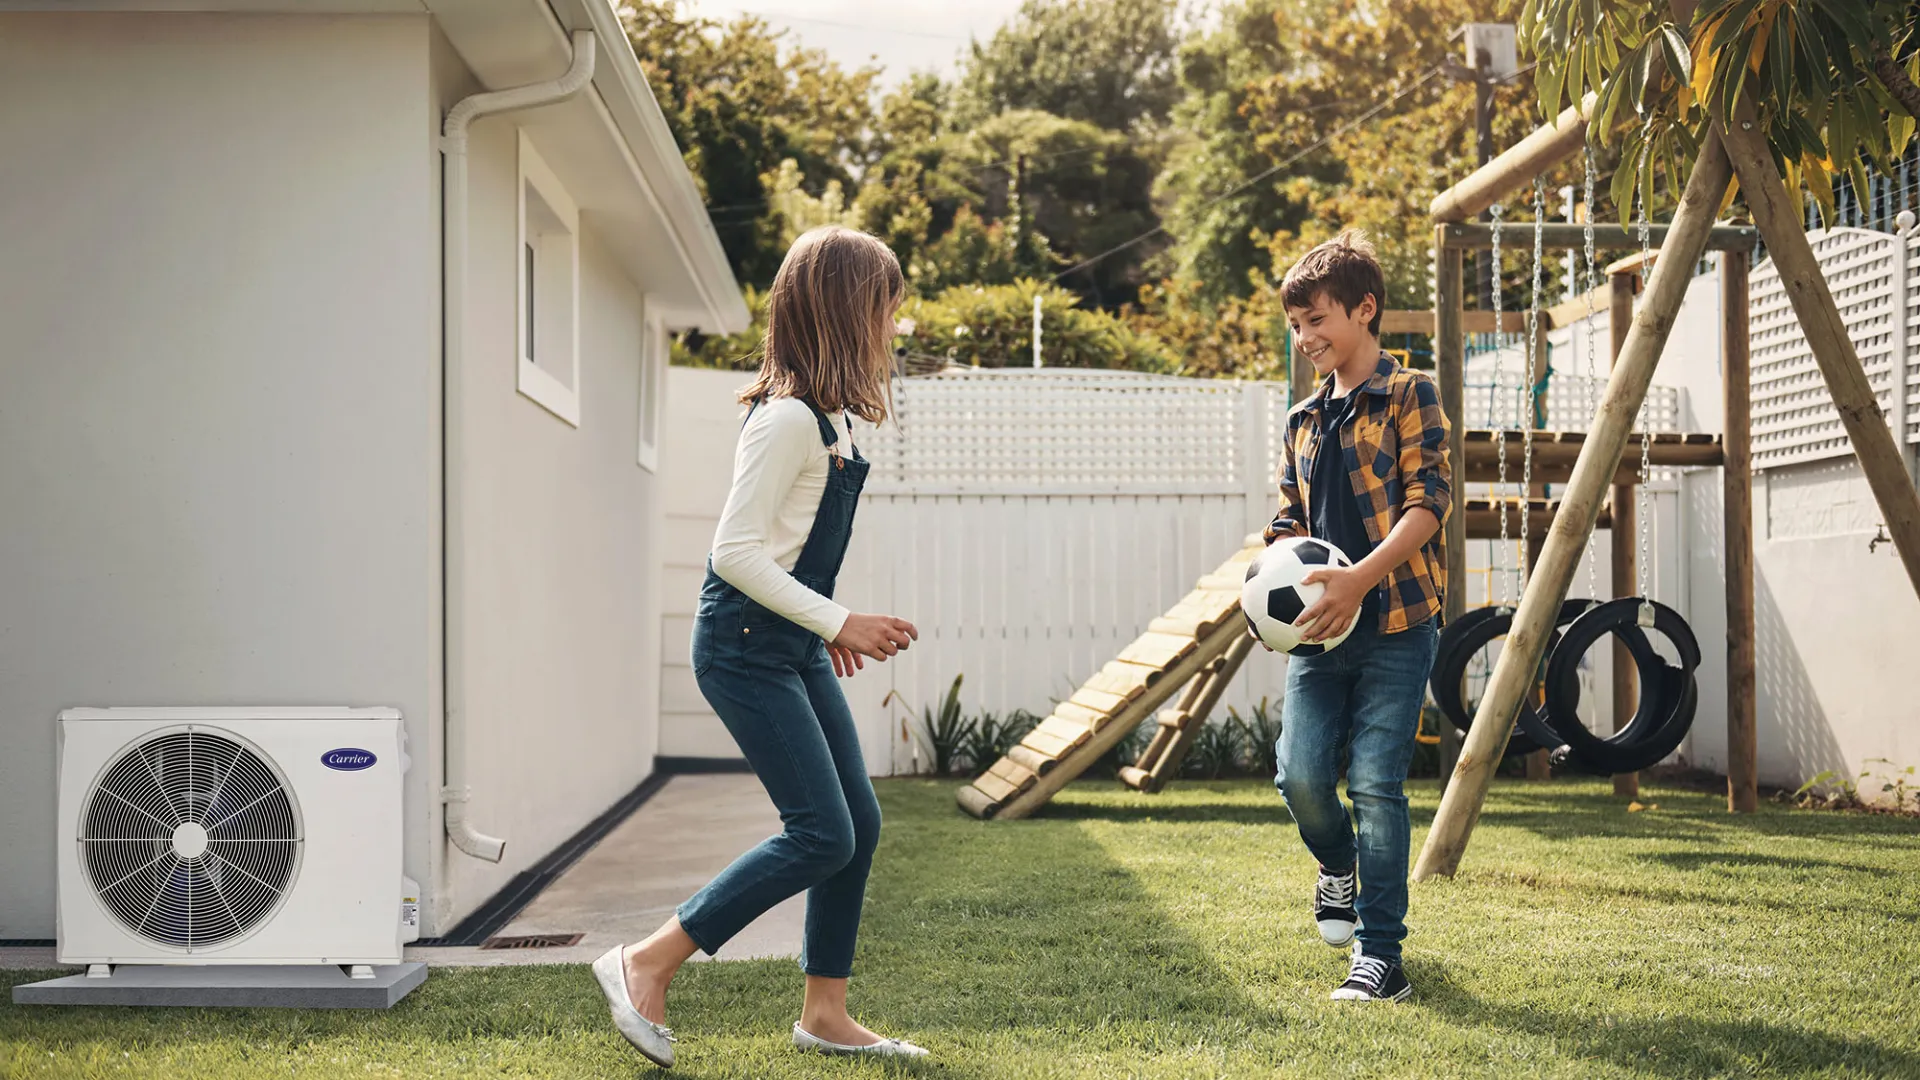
(1168, 936)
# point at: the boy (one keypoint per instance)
(1365, 467)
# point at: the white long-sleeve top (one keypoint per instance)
(779, 474)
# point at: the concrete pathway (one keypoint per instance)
(632, 880)
(624, 888)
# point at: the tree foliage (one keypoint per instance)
(1157, 171)
(1831, 81)
(739, 106)
(1109, 63)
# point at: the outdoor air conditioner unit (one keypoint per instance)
(232, 836)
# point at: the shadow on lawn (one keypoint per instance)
(975, 926)
(1678, 1046)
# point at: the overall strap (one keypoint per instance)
(827, 435)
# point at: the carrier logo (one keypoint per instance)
(348, 759)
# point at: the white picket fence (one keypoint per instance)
(1032, 522)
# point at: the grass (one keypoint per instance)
(1122, 935)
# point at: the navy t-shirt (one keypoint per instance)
(1333, 512)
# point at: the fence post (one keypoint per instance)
(1900, 373)
(1256, 460)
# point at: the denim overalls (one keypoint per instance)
(772, 684)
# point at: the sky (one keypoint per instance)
(902, 35)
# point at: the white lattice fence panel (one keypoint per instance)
(1568, 407)
(1912, 303)
(1061, 431)
(1793, 415)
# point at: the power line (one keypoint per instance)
(1262, 175)
(920, 185)
(772, 16)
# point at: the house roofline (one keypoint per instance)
(619, 82)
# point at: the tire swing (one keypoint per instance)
(1462, 640)
(1669, 694)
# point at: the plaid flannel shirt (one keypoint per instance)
(1400, 434)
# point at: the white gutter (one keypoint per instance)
(453, 239)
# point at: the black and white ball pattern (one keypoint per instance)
(1273, 595)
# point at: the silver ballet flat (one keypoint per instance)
(654, 1041)
(806, 1041)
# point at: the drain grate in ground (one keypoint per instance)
(531, 941)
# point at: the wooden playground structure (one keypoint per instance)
(1200, 643)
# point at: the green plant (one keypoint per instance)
(1832, 790)
(992, 326)
(990, 737)
(1901, 783)
(1216, 750)
(1261, 729)
(945, 731)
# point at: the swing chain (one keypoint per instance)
(1646, 417)
(1529, 411)
(1592, 283)
(1496, 400)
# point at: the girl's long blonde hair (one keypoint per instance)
(830, 331)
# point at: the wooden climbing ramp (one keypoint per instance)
(1198, 643)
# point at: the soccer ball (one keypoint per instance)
(1273, 596)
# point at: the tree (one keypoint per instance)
(1080, 187)
(1216, 252)
(738, 107)
(1109, 63)
(1381, 174)
(1044, 89)
(992, 326)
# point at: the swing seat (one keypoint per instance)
(1669, 695)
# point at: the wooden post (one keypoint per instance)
(1526, 159)
(1450, 365)
(1743, 741)
(1600, 456)
(1538, 765)
(1625, 529)
(1778, 215)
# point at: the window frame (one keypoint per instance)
(654, 351)
(534, 294)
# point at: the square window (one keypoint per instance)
(547, 317)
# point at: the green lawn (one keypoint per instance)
(1122, 935)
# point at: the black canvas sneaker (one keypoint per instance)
(1333, 907)
(1372, 978)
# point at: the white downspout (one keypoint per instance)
(453, 232)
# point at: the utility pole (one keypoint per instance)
(1492, 58)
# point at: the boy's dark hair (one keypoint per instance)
(1346, 269)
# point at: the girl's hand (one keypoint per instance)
(876, 636)
(845, 661)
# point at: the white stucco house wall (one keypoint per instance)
(287, 421)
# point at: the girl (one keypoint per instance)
(769, 640)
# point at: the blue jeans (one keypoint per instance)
(1363, 697)
(774, 688)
